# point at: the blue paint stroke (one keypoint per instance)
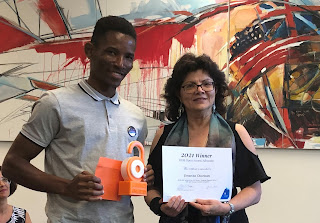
(305, 2)
(259, 142)
(87, 20)
(155, 9)
(311, 25)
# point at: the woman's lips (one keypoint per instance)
(200, 99)
(3, 190)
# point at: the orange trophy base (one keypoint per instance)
(132, 188)
(108, 170)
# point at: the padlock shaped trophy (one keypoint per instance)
(132, 170)
(122, 177)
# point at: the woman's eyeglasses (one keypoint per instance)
(5, 180)
(192, 87)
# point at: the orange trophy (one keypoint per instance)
(123, 177)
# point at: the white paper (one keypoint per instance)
(197, 172)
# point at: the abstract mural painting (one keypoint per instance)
(269, 51)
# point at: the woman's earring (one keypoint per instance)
(213, 108)
(180, 109)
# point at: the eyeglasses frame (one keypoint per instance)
(197, 86)
(5, 180)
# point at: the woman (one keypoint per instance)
(195, 101)
(9, 213)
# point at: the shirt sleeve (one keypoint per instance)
(44, 123)
(144, 132)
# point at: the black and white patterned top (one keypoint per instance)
(18, 215)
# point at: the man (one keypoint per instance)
(78, 124)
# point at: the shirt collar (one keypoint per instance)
(96, 95)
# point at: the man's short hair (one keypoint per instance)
(112, 23)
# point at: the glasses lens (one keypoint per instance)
(189, 88)
(192, 87)
(207, 86)
(5, 180)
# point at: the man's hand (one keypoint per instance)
(148, 175)
(85, 186)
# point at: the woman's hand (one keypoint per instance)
(148, 175)
(174, 206)
(211, 207)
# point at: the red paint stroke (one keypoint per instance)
(182, 13)
(8, 30)
(283, 142)
(144, 75)
(74, 50)
(28, 97)
(268, 114)
(43, 85)
(154, 42)
(50, 15)
(273, 45)
(288, 11)
(286, 119)
(290, 21)
(159, 86)
(273, 60)
(255, 63)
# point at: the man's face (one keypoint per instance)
(111, 60)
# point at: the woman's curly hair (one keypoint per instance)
(190, 63)
(13, 186)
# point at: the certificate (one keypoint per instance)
(197, 172)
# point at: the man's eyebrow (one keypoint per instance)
(110, 48)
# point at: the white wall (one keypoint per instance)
(291, 196)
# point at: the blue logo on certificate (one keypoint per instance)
(225, 194)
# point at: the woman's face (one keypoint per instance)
(196, 98)
(4, 187)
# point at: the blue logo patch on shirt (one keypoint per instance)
(132, 131)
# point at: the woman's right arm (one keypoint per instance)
(175, 205)
(152, 191)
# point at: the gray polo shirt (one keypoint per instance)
(76, 125)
